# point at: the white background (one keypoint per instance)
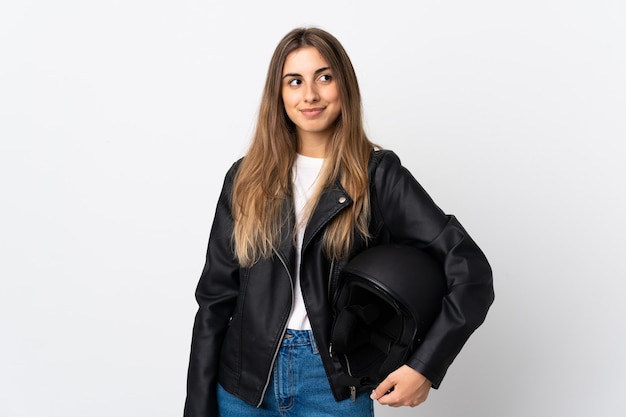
(118, 120)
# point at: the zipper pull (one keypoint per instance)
(330, 350)
(353, 393)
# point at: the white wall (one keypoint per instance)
(118, 120)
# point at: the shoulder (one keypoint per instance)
(383, 156)
(232, 171)
(383, 159)
(229, 178)
(387, 173)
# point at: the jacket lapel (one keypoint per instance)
(287, 250)
(331, 202)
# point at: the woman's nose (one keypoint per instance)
(311, 94)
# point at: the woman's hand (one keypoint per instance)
(404, 386)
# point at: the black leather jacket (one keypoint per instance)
(243, 312)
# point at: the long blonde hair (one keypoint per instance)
(263, 181)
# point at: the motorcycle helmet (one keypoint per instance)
(387, 298)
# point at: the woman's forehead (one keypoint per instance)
(307, 59)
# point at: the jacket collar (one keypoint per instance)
(331, 202)
(286, 249)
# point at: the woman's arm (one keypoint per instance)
(410, 216)
(216, 295)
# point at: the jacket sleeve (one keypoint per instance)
(410, 216)
(216, 294)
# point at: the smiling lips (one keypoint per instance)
(312, 112)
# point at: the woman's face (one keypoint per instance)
(311, 99)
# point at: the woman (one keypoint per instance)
(311, 192)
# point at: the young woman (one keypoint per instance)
(291, 213)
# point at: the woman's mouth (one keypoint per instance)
(312, 112)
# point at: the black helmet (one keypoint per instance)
(388, 296)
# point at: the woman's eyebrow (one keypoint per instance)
(293, 74)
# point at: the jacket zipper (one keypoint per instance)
(330, 281)
(267, 380)
(352, 387)
(330, 348)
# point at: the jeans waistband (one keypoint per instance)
(299, 338)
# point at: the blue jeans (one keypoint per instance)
(298, 387)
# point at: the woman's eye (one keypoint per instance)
(325, 77)
(295, 82)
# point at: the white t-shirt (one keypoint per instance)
(305, 174)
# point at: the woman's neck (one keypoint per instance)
(314, 147)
